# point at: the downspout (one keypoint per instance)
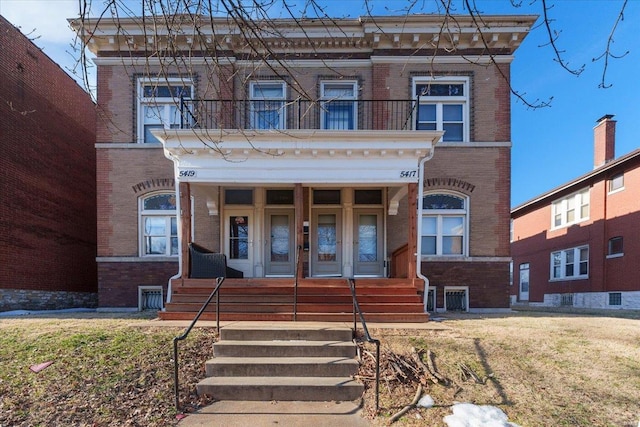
(419, 228)
(178, 210)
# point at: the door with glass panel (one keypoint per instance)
(524, 282)
(280, 243)
(239, 240)
(326, 243)
(367, 245)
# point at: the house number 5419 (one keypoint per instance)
(189, 173)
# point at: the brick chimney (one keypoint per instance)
(604, 141)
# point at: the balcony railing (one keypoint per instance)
(299, 114)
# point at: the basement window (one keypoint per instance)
(615, 298)
(456, 298)
(149, 298)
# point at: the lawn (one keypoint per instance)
(541, 369)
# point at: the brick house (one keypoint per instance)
(578, 245)
(47, 186)
(312, 165)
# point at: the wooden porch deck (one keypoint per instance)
(319, 299)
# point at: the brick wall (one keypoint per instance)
(119, 281)
(47, 186)
(488, 282)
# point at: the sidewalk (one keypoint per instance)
(289, 414)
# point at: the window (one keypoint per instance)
(570, 263)
(326, 197)
(615, 247)
(616, 183)
(159, 105)
(443, 225)
(234, 196)
(268, 109)
(615, 298)
(338, 108)
(159, 227)
(571, 209)
(443, 105)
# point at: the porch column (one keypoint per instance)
(298, 205)
(185, 227)
(412, 199)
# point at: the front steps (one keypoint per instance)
(325, 300)
(292, 364)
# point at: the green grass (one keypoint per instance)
(104, 372)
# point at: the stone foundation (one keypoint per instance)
(20, 299)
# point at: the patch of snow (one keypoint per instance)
(426, 401)
(469, 415)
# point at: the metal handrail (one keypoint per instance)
(295, 283)
(184, 335)
(367, 336)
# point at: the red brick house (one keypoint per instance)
(313, 165)
(578, 245)
(47, 185)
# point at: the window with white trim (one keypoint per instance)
(268, 110)
(616, 183)
(444, 225)
(443, 104)
(158, 225)
(338, 107)
(159, 105)
(570, 210)
(570, 263)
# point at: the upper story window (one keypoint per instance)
(570, 210)
(158, 225)
(570, 263)
(268, 110)
(444, 225)
(443, 104)
(616, 183)
(159, 105)
(339, 105)
(615, 247)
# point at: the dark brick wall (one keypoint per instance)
(119, 281)
(47, 185)
(488, 282)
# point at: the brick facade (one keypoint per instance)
(47, 187)
(478, 169)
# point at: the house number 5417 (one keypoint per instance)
(408, 174)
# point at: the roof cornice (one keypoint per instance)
(442, 35)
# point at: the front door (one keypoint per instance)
(239, 240)
(326, 243)
(367, 245)
(280, 243)
(524, 282)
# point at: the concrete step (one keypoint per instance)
(281, 388)
(265, 333)
(281, 366)
(290, 348)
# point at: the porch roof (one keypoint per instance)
(320, 157)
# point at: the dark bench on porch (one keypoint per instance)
(206, 264)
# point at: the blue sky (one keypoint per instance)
(551, 145)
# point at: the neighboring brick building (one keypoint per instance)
(357, 107)
(47, 185)
(578, 245)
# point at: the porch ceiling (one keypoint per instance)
(297, 156)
